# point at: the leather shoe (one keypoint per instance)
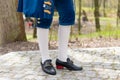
(69, 65)
(48, 68)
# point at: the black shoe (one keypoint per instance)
(48, 68)
(69, 65)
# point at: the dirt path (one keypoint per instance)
(80, 43)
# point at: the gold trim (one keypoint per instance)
(47, 11)
(48, 3)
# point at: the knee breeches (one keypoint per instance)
(66, 13)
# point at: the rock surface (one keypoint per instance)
(98, 64)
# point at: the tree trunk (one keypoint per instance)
(96, 14)
(11, 23)
(104, 7)
(75, 5)
(79, 19)
(35, 32)
(92, 4)
(118, 13)
(34, 28)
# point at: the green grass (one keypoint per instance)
(107, 19)
(89, 9)
(30, 37)
(101, 18)
(105, 33)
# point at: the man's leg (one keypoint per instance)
(43, 26)
(42, 35)
(67, 18)
(63, 38)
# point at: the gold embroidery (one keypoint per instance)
(47, 11)
(48, 3)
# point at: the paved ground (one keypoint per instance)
(98, 64)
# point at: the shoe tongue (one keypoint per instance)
(49, 60)
(69, 61)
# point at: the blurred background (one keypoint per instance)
(97, 24)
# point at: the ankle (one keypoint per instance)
(62, 59)
(45, 59)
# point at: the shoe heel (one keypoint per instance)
(59, 67)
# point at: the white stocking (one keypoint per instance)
(42, 35)
(63, 38)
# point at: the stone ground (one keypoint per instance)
(98, 64)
